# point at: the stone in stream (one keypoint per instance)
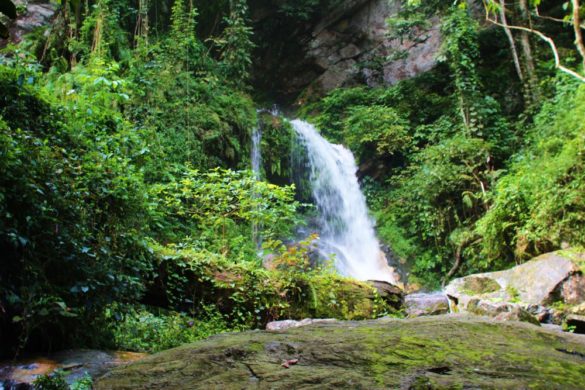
(422, 304)
(420, 353)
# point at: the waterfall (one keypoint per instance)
(345, 228)
(256, 155)
(256, 158)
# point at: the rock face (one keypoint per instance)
(426, 304)
(552, 277)
(349, 45)
(38, 14)
(352, 44)
(422, 353)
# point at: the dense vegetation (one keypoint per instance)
(126, 207)
(475, 176)
(128, 213)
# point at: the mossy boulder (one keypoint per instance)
(542, 281)
(420, 353)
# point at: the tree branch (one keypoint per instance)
(545, 38)
(538, 15)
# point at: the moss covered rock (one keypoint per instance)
(426, 352)
(551, 279)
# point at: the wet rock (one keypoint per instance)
(426, 304)
(439, 352)
(21, 374)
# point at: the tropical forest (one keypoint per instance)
(292, 194)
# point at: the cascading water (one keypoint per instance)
(256, 158)
(346, 229)
(256, 155)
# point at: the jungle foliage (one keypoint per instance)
(128, 217)
(464, 174)
(124, 197)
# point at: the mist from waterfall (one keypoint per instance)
(345, 228)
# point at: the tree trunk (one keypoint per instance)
(529, 67)
(510, 40)
(578, 32)
(459, 257)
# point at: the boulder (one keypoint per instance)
(392, 294)
(426, 304)
(548, 278)
(517, 314)
(439, 352)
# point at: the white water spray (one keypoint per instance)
(346, 229)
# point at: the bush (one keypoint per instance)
(538, 205)
(145, 330)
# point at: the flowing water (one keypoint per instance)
(345, 228)
(256, 158)
(256, 155)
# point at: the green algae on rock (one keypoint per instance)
(426, 352)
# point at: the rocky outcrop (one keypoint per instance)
(349, 44)
(533, 287)
(422, 353)
(32, 15)
(353, 45)
(426, 304)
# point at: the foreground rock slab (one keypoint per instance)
(425, 352)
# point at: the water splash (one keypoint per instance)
(346, 229)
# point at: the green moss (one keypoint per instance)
(447, 352)
(478, 285)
